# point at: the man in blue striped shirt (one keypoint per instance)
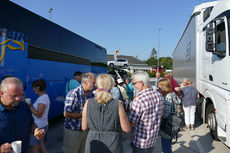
(74, 137)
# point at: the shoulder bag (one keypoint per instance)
(171, 124)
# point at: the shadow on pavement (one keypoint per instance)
(54, 138)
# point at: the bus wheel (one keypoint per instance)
(212, 124)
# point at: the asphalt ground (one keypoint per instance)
(194, 141)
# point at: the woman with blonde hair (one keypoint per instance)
(164, 87)
(104, 117)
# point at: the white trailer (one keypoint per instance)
(203, 55)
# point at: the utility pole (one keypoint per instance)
(158, 53)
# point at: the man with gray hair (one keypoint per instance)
(158, 77)
(74, 138)
(145, 114)
(15, 116)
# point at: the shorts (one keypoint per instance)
(34, 141)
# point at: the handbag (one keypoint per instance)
(171, 124)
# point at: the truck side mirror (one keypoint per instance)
(210, 37)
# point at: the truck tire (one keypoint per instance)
(111, 65)
(211, 120)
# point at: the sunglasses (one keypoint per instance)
(135, 82)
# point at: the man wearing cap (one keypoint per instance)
(123, 92)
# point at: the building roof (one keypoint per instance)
(132, 60)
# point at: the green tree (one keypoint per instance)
(153, 58)
(166, 62)
(153, 53)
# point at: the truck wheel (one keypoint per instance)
(212, 124)
(111, 65)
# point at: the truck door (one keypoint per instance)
(216, 68)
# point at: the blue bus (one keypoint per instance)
(33, 47)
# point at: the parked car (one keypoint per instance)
(118, 63)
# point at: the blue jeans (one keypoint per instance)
(166, 145)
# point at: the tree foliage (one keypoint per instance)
(164, 61)
(151, 61)
(153, 53)
(153, 58)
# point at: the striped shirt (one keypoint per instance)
(74, 102)
(146, 113)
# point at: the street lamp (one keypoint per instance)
(50, 11)
(158, 53)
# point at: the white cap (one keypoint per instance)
(119, 81)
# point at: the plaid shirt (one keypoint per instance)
(146, 113)
(74, 102)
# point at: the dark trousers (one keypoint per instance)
(166, 145)
(142, 150)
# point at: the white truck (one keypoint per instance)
(203, 55)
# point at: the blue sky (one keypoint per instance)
(130, 26)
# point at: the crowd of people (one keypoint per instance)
(96, 110)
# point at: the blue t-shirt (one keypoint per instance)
(15, 125)
(129, 89)
(116, 93)
(70, 85)
(156, 82)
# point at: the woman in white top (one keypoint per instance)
(39, 109)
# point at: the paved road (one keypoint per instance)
(196, 141)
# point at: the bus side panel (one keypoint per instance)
(13, 54)
(56, 75)
(43, 33)
(98, 70)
